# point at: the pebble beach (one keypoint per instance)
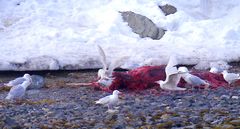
(60, 106)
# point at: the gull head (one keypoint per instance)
(28, 77)
(183, 69)
(101, 73)
(116, 92)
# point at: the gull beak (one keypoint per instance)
(121, 95)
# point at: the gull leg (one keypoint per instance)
(110, 107)
(206, 86)
(192, 87)
(230, 84)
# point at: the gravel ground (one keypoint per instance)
(59, 106)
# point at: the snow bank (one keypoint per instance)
(62, 34)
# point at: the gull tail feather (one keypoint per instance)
(8, 97)
(7, 84)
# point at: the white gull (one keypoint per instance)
(18, 91)
(17, 81)
(192, 79)
(172, 76)
(110, 100)
(230, 77)
(105, 74)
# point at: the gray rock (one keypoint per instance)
(37, 82)
(235, 97)
(10, 123)
(206, 127)
(208, 118)
(219, 120)
(226, 126)
(178, 121)
(235, 122)
(225, 97)
(168, 9)
(194, 119)
(33, 92)
(119, 126)
(142, 25)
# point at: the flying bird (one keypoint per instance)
(172, 76)
(230, 77)
(105, 74)
(192, 79)
(110, 100)
(18, 91)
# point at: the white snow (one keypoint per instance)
(201, 32)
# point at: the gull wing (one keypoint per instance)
(104, 100)
(102, 57)
(196, 80)
(17, 91)
(172, 62)
(171, 66)
(233, 76)
(117, 63)
(172, 81)
(15, 82)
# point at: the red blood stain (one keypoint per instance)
(145, 77)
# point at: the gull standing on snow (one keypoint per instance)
(172, 76)
(17, 81)
(18, 91)
(110, 100)
(105, 74)
(230, 77)
(192, 79)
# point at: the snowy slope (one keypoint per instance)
(63, 34)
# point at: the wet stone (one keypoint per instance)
(178, 121)
(11, 123)
(168, 9)
(37, 82)
(225, 97)
(208, 117)
(235, 122)
(194, 119)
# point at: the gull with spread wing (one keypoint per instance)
(172, 76)
(105, 74)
